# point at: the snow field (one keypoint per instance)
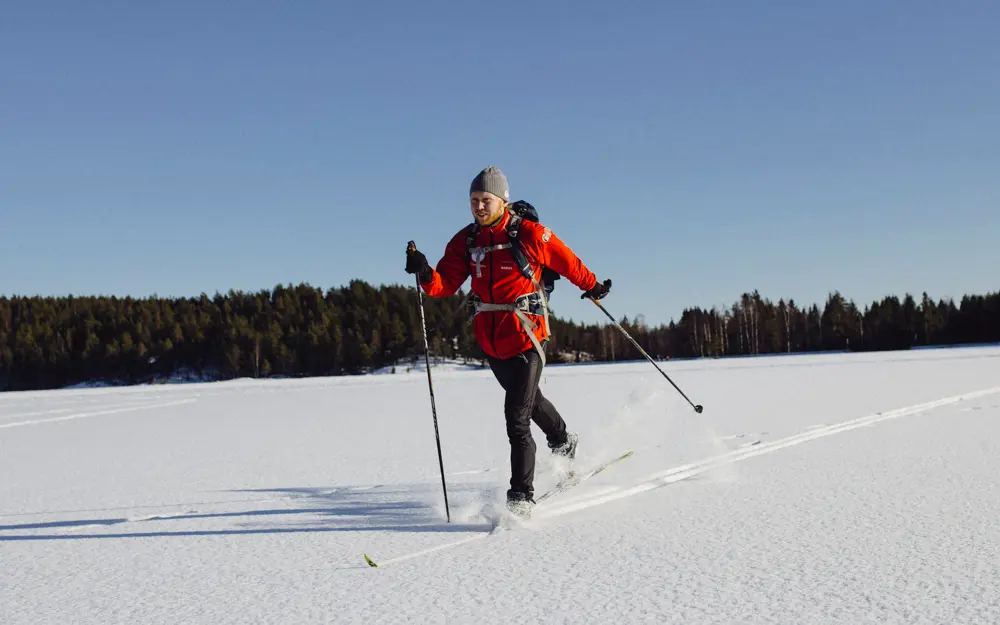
(814, 489)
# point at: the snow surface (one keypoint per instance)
(813, 489)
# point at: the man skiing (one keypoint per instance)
(511, 314)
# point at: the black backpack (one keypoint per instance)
(520, 210)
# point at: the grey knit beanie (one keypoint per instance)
(491, 180)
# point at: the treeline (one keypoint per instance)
(755, 325)
(306, 331)
(287, 331)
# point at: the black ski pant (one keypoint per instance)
(524, 403)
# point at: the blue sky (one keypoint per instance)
(688, 151)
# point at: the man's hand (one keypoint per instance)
(416, 263)
(600, 290)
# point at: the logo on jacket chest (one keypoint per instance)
(478, 257)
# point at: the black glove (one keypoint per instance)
(600, 290)
(417, 263)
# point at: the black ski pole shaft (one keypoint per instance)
(697, 407)
(430, 384)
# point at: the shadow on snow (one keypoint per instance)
(339, 509)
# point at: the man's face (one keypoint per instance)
(486, 207)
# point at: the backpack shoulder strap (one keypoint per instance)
(514, 226)
(513, 233)
(470, 239)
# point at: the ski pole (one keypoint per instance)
(411, 246)
(697, 408)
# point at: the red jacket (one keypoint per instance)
(500, 281)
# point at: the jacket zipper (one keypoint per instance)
(493, 318)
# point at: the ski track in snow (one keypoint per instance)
(98, 413)
(24, 415)
(679, 473)
(683, 472)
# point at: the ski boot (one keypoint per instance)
(566, 449)
(519, 504)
